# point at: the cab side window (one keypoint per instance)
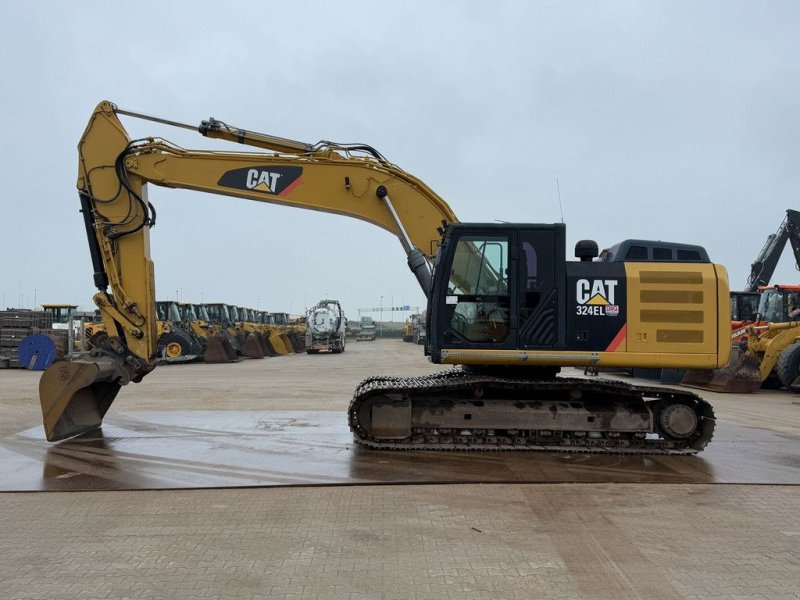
(478, 287)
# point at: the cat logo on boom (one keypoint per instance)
(272, 181)
(262, 180)
(596, 297)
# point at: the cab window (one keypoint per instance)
(478, 287)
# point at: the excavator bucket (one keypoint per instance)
(741, 376)
(75, 396)
(219, 350)
(251, 348)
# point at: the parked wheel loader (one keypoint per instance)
(251, 346)
(176, 341)
(288, 334)
(216, 347)
(764, 353)
(276, 334)
(226, 317)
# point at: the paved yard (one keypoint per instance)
(388, 541)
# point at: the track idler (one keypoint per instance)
(741, 376)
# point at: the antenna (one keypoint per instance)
(560, 208)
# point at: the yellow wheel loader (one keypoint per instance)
(176, 341)
(769, 354)
(216, 347)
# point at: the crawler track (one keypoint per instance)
(456, 410)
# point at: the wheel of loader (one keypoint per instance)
(788, 368)
(173, 345)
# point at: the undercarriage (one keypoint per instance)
(458, 410)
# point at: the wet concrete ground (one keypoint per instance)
(212, 449)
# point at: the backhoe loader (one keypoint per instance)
(503, 302)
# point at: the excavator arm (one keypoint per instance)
(346, 179)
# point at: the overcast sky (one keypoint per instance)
(666, 120)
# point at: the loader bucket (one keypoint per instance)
(219, 350)
(288, 343)
(75, 396)
(279, 345)
(251, 348)
(266, 344)
(298, 342)
(741, 376)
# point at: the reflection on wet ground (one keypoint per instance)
(204, 449)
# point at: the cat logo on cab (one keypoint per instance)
(596, 297)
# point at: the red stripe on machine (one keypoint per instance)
(290, 187)
(618, 339)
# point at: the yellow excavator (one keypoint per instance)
(504, 302)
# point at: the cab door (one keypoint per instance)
(478, 302)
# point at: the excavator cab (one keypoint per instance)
(503, 292)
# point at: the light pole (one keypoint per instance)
(381, 308)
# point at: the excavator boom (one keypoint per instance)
(113, 171)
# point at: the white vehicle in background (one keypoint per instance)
(325, 328)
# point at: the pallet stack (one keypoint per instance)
(15, 325)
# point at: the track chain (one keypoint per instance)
(463, 382)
